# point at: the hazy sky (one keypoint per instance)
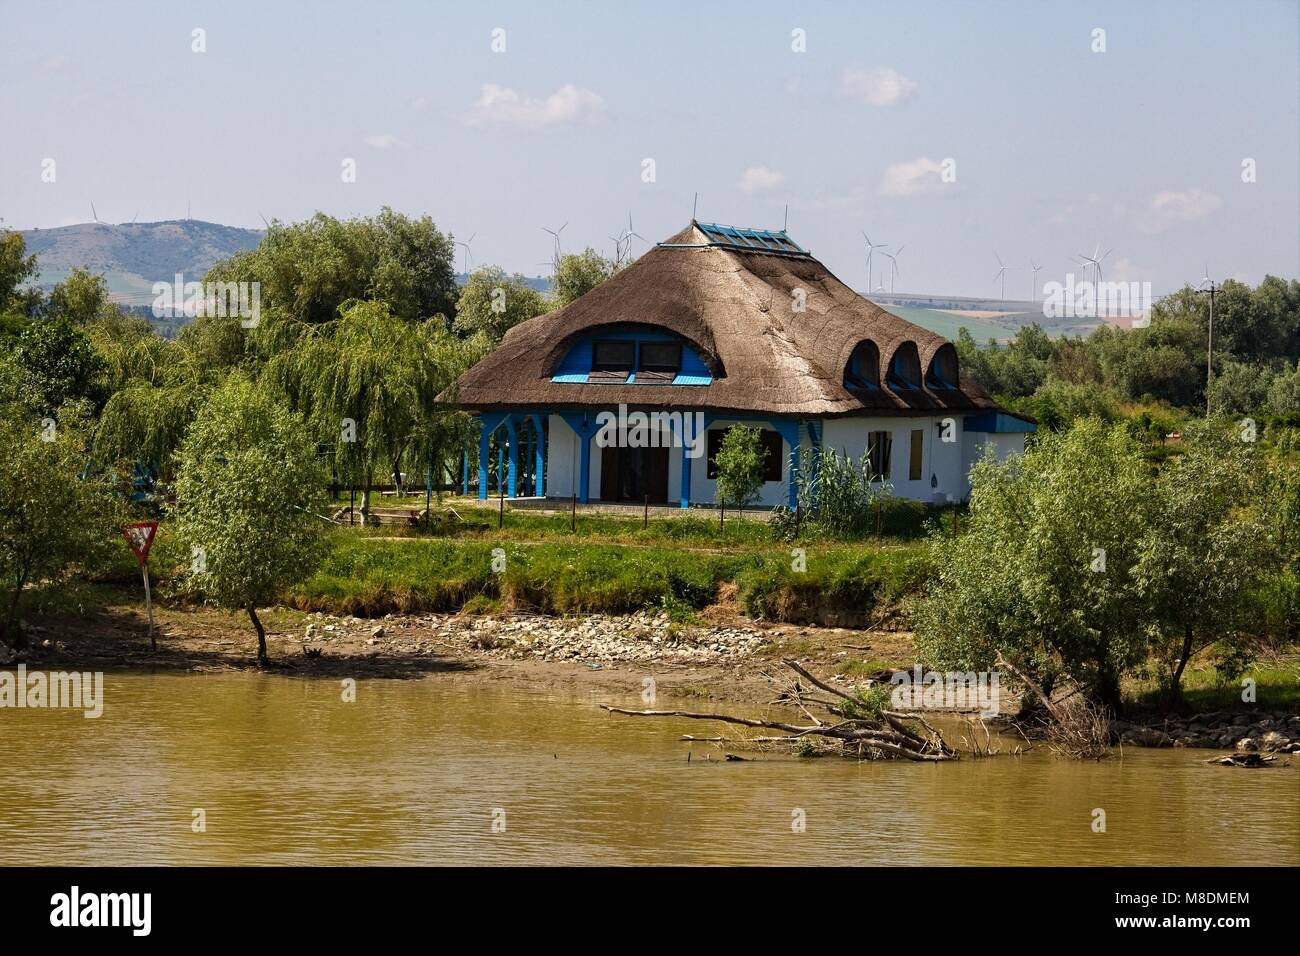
(1055, 147)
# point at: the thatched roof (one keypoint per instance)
(735, 307)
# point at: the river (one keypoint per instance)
(418, 772)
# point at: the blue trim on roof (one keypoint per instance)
(576, 364)
(998, 423)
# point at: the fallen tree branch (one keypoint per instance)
(862, 730)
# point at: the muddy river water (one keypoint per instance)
(280, 770)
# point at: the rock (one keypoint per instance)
(1274, 741)
(312, 632)
(1247, 744)
(1146, 737)
(377, 632)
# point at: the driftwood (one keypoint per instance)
(1078, 728)
(855, 727)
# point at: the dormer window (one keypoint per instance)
(943, 369)
(863, 370)
(612, 360)
(905, 367)
(659, 363)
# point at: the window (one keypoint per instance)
(879, 445)
(611, 360)
(660, 357)
(659, 362)
(905, 368)
(914, 462)
(769, 442)
(864, 367)
(943, 368)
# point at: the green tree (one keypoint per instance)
(1284, 392)
(369, 383)
(248, 493)
(579, 273)
(16, 269)
(52, 519)
(740, 463)
(492, 303)
(310, 270)
(1203, 553)
(1239, 388)
(1044, 571)
(80, 299)
(59, 363)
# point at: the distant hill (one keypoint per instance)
(133, 256)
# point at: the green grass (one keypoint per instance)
(1277, 687)
(365, 576)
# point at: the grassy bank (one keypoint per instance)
(368, 576)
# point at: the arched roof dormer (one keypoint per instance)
(862, 371)
(905, 367)
(943, 370)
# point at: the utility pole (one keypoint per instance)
(1211, 289)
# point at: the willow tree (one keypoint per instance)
(53, 516)
(248, 492)
(369, 382)
(157, 387)
(1045, 572)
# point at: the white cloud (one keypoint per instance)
(757, 179)
(877, 85)
(1169, 208)
(912, 178)
(502, 106)
(383, 141)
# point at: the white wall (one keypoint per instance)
(562, 461)
(948, 462)
(705, 490)
(940, 459)
(975, 443)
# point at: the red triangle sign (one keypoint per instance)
(140, 536)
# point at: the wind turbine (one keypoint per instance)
(93, 215)
(555, 234)
(893, 263)
(1095, 261)
(1001, 274)
(1033, 281)
(871, 248)
(469, 254)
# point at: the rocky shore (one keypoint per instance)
(596, 640)
(1274, 731)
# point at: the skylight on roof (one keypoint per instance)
(751, 240)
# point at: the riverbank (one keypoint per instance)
(717, 654)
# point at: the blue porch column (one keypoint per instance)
(686, 467)
(487, 425)
(584, 426)
(464, 473)
(539, 485)
(790, 432)
(512, 486)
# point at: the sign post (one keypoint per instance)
(140, 536)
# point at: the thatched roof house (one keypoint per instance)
(737, 325)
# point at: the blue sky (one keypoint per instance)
(1055, 147)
